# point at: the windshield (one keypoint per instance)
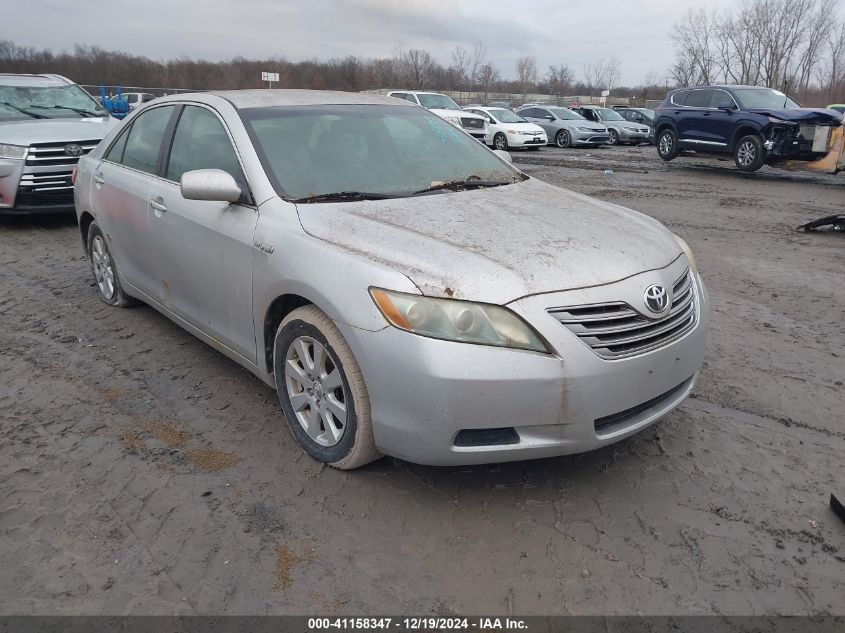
(437, 102)
(310, 151)
(764, 98)
(506, 116)
(566, 114)
(607, 114)
(28, 102)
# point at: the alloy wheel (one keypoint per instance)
(746, 154)
(103, 267)
(666, 144)
(315, 389)
(500, 142)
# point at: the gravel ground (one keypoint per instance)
(144, 473)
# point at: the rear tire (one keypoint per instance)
(104, 269)
(749, 153)
(322, 387)
(667, 145)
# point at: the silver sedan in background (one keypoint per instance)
(564, 127)
(404, 289)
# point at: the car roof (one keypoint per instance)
(268, 98)
(420, 92)
(33, 81)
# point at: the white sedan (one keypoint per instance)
(506, 129)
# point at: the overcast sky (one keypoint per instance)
(572, 32)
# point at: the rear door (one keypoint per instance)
(204, 250)
(120, 193)
(691, 121)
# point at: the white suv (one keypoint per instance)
(445, 108)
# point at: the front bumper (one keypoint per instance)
(590, 138)
(518, 140)
(424, 392)
(628, 136)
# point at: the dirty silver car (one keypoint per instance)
(404, 289)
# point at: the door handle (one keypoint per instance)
(98, 178)
(158, 206)
(707, 114)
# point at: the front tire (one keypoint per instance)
(749, 153)
(667, 145)
(104, 270)
(563, 139)
(322, 391)
(500, 142)
(614, 137)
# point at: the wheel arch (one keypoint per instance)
(85, 221)
(276, 312)
(745, 129)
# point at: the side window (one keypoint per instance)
(201, 142)
(115, 153)
(698, 99)
(144, 140)
(412, 98)
(147, 97)
(718, 97)
(679, 97)
(542, 114)
(399, 95)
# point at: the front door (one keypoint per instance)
(204, 250)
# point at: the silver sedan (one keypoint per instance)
(405, 290)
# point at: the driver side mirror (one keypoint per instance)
(213, 185)
(549, 117)
(725, 105)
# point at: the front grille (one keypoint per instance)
(615, 330)
(62, 198)
(54, 154)
(487, 437)
(620, 418)
(474, 124)
(45, 181)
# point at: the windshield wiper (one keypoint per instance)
(344, 196)
(79, 111)
(463, 185)
(34, 115)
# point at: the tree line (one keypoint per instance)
(797, 46)
(469, 70)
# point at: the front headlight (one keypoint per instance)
(454, 120)
(12, 151)
(687, 251)
(583, 129)
(459, 321)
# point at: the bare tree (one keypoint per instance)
(601, 75)
(559, 79)
(461, 61)
(526, 72)
(419, 67)
(478, 59)
(487, 76)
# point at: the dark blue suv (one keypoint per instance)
(755, 125)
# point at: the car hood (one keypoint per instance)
(525, 127)
(818, 115)
(498, 244)
(55, 130)
(458, 113)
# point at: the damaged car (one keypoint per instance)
(752, 124)
(404, 289)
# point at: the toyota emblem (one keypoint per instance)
(656, 298)
(74, 150)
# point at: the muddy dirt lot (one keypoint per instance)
(144, 473)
